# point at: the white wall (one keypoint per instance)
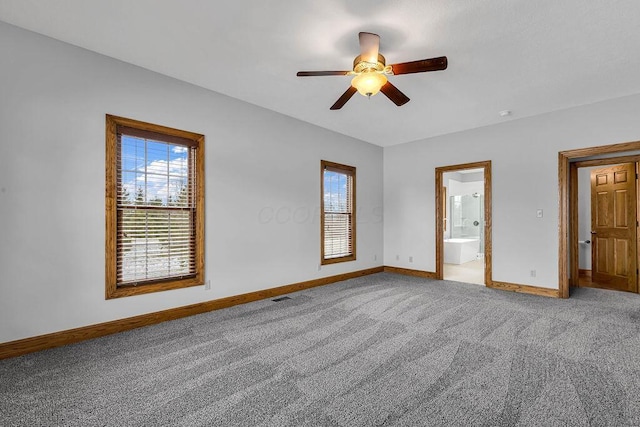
(584, 216)
(262, 186)
(524, 156)
(458, 188)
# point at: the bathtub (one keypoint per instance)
(459, 251)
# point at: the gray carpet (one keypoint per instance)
(378, 350)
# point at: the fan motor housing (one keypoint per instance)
(359, 65)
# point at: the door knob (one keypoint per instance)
(594, 232)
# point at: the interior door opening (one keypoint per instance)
(606, 214)
(568, 237)
(463, 218)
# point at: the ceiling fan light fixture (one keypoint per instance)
(368, 83)
(370, 72)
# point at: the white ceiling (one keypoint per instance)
(527, 56)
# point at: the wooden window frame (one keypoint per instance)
(350, 171)
(113, 123)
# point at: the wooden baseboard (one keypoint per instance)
(584, 273)
(525, 289)
(504, 286)
(584, 279)
(57, 339)
(410, 272)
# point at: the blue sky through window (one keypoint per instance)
(156, 171)
(335, 191)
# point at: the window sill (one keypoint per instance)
(132, 290)
(338, 260)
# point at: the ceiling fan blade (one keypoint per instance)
(369, 46)
(394, 94)
(344, 98)
(421, 66)
(321, 73)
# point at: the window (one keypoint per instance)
(154, 208)
(338, 206)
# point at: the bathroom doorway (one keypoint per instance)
(463, 218)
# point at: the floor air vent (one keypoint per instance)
(280, 299)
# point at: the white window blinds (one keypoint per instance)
(156, 207)
(338, 201)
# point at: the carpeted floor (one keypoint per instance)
(378, 350)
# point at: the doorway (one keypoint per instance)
(568, 237)
(463, 223)
(606, 214)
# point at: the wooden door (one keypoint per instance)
(613, 227)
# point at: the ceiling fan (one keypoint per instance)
(370, 72)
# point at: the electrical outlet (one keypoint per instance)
(533, 273)
(375, 257)
(397, 257)
(207, 285)
(410, 259)
(539, 213)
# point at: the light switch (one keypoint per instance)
(539, 213)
